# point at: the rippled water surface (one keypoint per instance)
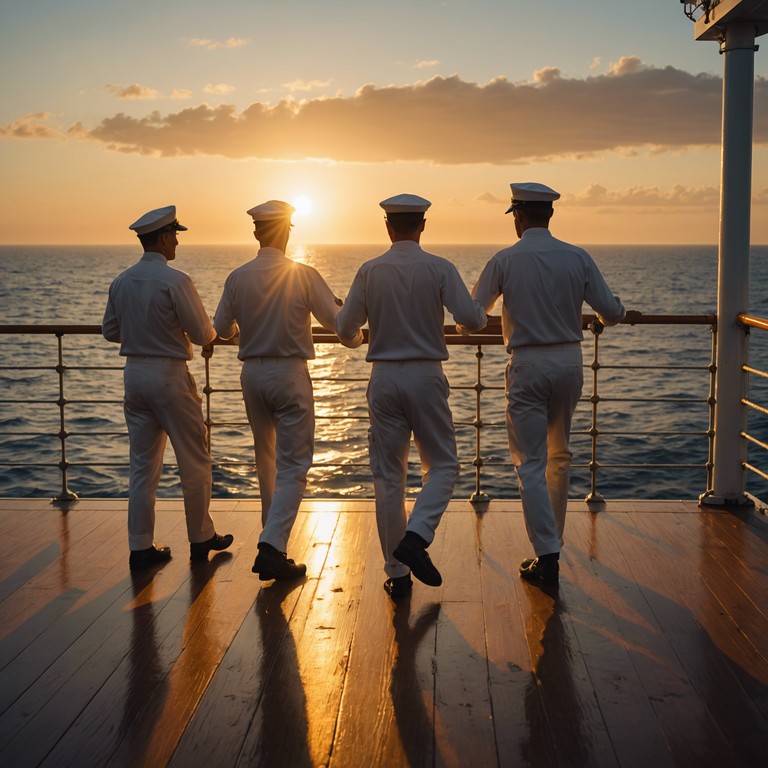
(44, 285)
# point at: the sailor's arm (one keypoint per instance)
(193, 318)
(325, 307)
(353, 315)
(486, 291)
(224, 322)
(110, 325)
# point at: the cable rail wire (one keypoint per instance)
(491, 335)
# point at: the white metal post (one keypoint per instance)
(729, 481)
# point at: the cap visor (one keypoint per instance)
(181, 228)
(510, 209)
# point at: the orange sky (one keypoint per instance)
(214, 120)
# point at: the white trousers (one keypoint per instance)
(543, 387)
(407, 398)
(161, 401)
(281, 411)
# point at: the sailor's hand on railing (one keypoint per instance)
(230, 341)
(632, 316)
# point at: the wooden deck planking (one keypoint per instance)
(651, 652)
(671, 644)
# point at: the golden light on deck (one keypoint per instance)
(303, 205)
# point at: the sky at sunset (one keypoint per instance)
(111, 108)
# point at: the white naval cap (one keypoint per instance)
(531, 192)
(405, 203)
(271, 210)
(157, 219)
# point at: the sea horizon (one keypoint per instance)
(654, 279)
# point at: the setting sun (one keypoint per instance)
(303, 205)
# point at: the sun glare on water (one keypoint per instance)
(303, 205)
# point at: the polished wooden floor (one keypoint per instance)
(654, 651)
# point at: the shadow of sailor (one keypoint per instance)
(412, 680)
(279, 733)
(156, 682)
(552, 706)
(254, 710)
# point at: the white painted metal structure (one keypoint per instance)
(734, 24)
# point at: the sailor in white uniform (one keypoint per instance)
(155, 313)
(270, 301)
(544, 282)
(403, 295)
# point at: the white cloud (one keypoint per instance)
(596, 195)
(487, 197)
(134, 91)
(632, 109)
(215, 45)
(426, 64)
(219, 89)
(179, 94)
(30, 126)
(306, 85)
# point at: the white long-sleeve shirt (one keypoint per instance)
(154, 310)
(545, 282)
(271, 299)
(402, 295)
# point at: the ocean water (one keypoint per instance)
(653, 382)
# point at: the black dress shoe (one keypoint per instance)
(542, 571)
(144, 558)
(398, 586)
(199, 550)
(412, 551)
(270, 563)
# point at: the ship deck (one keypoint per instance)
(652, 652)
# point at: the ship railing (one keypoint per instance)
(756, 431)
(597, 365)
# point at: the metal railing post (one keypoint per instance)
(594, 496)
(479, 496)
(66, 497)
(711, 404)
(207, 352)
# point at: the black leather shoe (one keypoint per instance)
(144, 558)
(412, 551)
(270, 563)
(398, 586)
(199, 550)
(542, 571)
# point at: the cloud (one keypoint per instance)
(215, 45)
(30, 127)
(626, 65)
(178, 94)
(306, 85)
(219, 89)
(133, 91)
(426, 64)
(487, 197)
(447, 120)
(596, 195)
